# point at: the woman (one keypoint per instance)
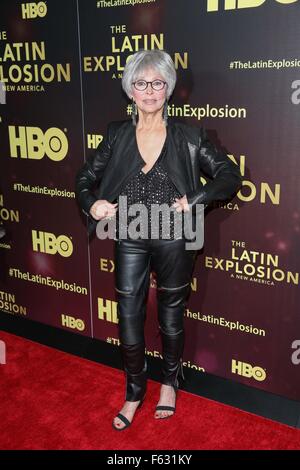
(152, 160)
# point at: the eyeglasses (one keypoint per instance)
(142, 85)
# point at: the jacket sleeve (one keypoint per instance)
(225, 175)
(89, 176)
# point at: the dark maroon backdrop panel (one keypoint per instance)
(238, 68)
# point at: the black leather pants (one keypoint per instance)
(173, 265)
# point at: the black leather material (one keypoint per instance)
(173, 266)
(189, 155)
(132, 278)
(135, 367)
(172, 347)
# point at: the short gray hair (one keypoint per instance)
(141, 60)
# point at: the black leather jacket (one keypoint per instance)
(189, 155)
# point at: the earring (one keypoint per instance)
(165, 112)
(134, 112)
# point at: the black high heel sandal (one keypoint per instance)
(175, 387)
(124, 419)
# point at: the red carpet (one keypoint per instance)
(53, 400)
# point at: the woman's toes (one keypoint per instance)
(118, 423)
(163, 414)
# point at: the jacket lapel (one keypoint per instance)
(125, 161)
(174, 160)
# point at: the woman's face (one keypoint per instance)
(149, 100)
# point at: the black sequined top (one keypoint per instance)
(153, 187)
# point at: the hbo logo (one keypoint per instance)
(47, 242)
(246, 370)
(71, 322)
(32, 10)
(33, 143)
(213, 5)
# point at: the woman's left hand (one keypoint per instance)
(181, 204)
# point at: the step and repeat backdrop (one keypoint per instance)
(238, 67)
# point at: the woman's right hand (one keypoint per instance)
(102, 209)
